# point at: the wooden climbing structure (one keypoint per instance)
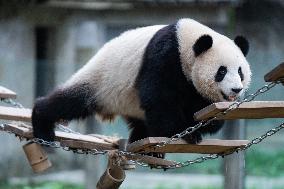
(119, 148)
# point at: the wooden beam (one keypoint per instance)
(15, 114)
(275, 74)
(7, 93)
(69, 139)
(78, 141)
(209, 146)
(79, 144)
(151, 160)
(247, 110)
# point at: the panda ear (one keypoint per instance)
(243, 44)
(202, 44)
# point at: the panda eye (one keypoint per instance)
(241, 73)
(222, 71)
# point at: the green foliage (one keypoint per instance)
(45, 185)
(206, 187)
(264, 163)
(208, 167)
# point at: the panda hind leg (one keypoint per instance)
(138, 132)
(67, 103)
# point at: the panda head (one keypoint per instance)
(220, 71)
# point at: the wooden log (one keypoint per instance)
(37, 157)
(15, 114)
(247, 110)
(112, 178)
(209, 146)
(7, 93)
(275, 74)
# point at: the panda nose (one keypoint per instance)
(237, 90)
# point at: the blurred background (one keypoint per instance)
(43, 42)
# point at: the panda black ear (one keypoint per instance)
(243, 44)
(202, 44)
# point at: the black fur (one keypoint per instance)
(202, 44)
(241, 73)
(66, 104)
(243, 44)
(222, 71)
(168, 98)
(138, 129)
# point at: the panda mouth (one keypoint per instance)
(229, 98)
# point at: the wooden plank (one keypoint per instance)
(7, 93)
(247, 110)
(151, 160)
(19, 129)
(79, 140)
(275, 74)
(205, 147)
(15, 114)
(78, 144)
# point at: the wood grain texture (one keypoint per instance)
(7, 93)
(15, 114)
(275, 74)
(247, 110)
(205, 147)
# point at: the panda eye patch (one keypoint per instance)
(222, 71)
(241, 73)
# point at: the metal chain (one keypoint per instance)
(12, 102)
(176, 137)
(202, 159)
(66, 129)
(203, 123)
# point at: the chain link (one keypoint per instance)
(12, 102)
(232, 107)
(202, 159)
(175, 137)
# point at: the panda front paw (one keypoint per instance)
(193, 138)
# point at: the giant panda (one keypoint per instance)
(155, 77)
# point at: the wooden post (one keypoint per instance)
(37, 157)
(233, 165)
(114, 174)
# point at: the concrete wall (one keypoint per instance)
(17, 73)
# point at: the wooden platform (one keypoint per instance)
(15, 114)
(275, 74)
(7, 93)
(86, 142)
(248, 110)
(209, 146)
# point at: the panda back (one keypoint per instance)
(113, 70)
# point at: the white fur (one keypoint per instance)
(113, 70)
(202, 69)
